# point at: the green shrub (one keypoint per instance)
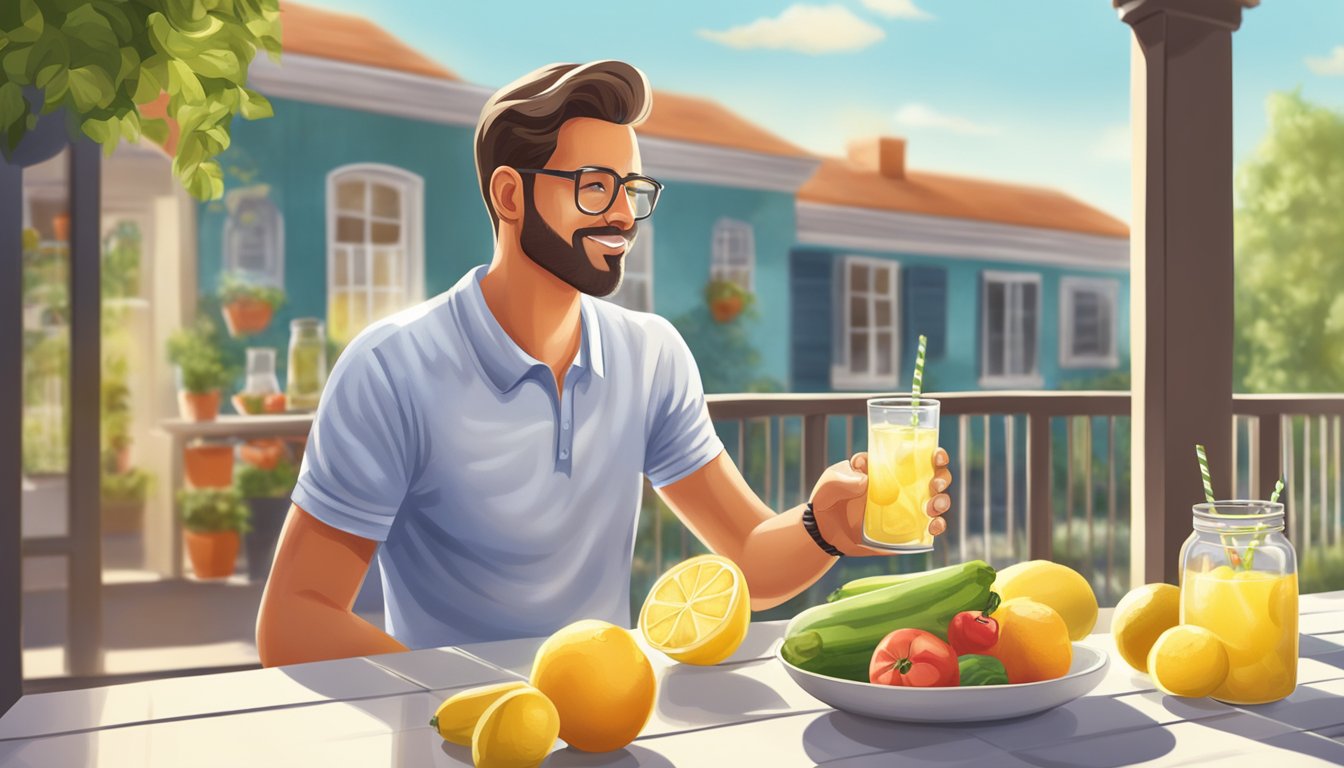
(194, 351)
(214, 510)
(256, 483)
(131, 487)
(233, 288)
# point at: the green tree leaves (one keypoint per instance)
(102, 60)
(1290, 253)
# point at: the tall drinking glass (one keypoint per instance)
(902, 438)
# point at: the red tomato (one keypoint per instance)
(914, 658)
(972, 632)
(275, 403)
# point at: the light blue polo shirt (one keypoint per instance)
(504, 510)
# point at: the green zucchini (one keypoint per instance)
(838, 639)
(870, 583)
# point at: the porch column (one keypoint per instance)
(11, 433)
(1181, 267)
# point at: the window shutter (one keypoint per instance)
(811, 319)
(924, 298)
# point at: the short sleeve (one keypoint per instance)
(358, 462)
(681, 437)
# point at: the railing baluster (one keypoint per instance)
(1087, 485)
(1040, 516)
(1270, 461)
(1110, 509)
(815, 440)
(768, 422)
(1294, 492)
(1010, 451)
(1068, 486)
(964, 497)
(849, 436)
(1306, 484)
(1322, 432)
(1253, 469)
(986, 486)
(742, 445)
(1339, 481)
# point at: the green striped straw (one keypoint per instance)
(1232, 557)
(1278, 488)
(917, 385)
(1250, 550)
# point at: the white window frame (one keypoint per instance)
(274, 271)
(641, 281)
(842, 374)
(1032, 378)
(1109, 291)
(411, 187)
(733, 252)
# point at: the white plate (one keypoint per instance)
(955, 705)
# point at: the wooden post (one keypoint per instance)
(1040, 508)
(11, 433)
(814, 452)
(1181, 266)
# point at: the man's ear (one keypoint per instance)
(506, 192)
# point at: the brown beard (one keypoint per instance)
(568, 260)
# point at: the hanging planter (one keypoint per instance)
(214, 519)
(262, 454)
(208, 466)
(726, 300)
(247, 308)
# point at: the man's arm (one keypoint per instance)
(306, 608)
(774, 551)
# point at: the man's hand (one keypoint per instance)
(840, 496)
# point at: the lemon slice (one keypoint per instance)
(698, 611)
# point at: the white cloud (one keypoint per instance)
(897, 9)
(1328, 65)
(811, 29)
(924, 116)
(1115, 143)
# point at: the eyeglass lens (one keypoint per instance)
(597, 192)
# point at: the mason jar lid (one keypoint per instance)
(305, 324)
(1238, 513)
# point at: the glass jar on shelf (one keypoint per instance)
(307, 363)
(1239, 581)
(261, 378)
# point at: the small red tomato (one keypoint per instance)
(275, 403)
(914, 658)
(972, 632)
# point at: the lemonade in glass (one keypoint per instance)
(902, 437)
(1239, 581)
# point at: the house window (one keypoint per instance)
(1010, 329)
(636, 291)
(375, 252)
(1087, 329)
(733, 256)
(867, 338)
(254, 238)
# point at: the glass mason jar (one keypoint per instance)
(1239, 581)
(261, 379)
(307, 363)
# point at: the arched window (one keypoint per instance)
(733, 256)
(375, 245)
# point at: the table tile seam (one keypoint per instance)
(487, 662)
(397, 674)
(753, 721)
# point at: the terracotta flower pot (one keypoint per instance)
(208, 466)
(262, 454)
(123, 460)
(726, 308)
(198, 407)
(245, 317)
(212, 554)
(60, 227)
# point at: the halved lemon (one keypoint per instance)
(698, 611)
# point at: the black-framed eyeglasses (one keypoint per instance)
(596, 188)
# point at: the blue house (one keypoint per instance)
(359, 197)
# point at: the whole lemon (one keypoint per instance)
(1033, 642)
(1056, 585)
(600, 681)
(1188, 660)
(517, 731)
(1141, 617)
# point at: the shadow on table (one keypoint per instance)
(1313, 646)
(837, 733)
(629, 757)
(694, 696)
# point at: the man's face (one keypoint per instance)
(585, 251)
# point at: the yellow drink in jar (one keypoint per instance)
(1255, 614)
(900, 469)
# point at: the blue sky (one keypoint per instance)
(1035, 94)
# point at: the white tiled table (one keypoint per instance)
(747, 711)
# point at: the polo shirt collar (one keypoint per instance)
(504, 362)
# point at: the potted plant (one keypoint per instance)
(726, 299)
(123, 497)
(208, 465)
(266, 492)
(214, 519)
(201, 371)
(262, 453)
(247, 307)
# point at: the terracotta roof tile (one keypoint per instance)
(352, 39)
(841, 182)
(690, 118)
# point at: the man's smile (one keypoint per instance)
(615, 243)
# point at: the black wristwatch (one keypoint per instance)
(810, 525)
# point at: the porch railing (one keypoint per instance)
(1038, 474)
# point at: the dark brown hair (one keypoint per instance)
(520, 123)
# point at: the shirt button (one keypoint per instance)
(564, 454)
(565, 425)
